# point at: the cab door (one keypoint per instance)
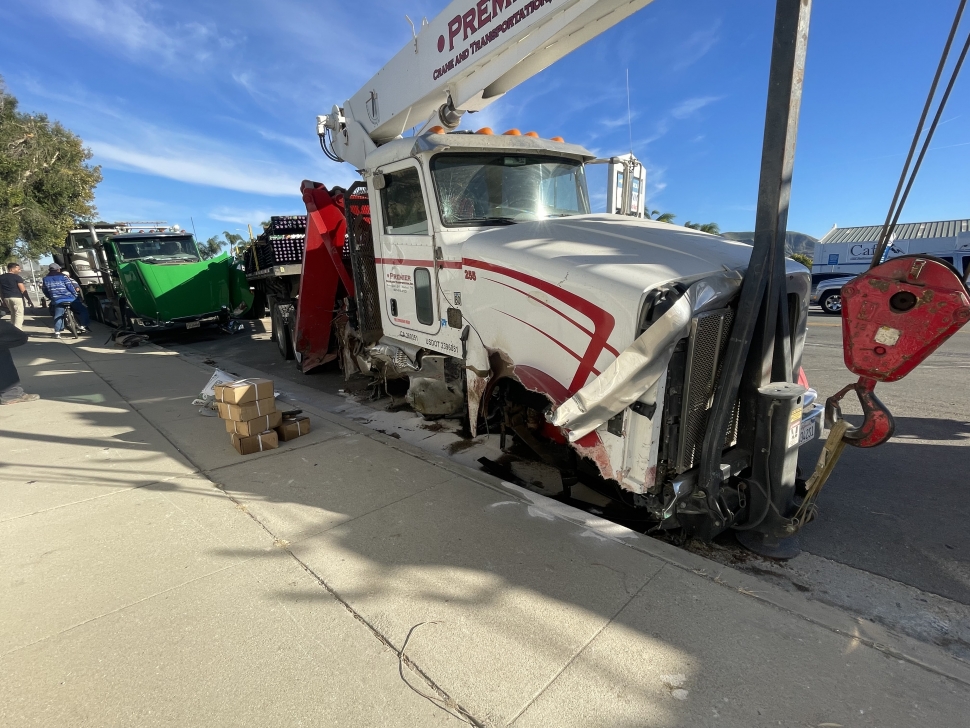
(407, 251)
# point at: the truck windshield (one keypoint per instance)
(498, 189)
(169, 248)
(79, 240)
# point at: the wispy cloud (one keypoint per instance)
(660, 129)
(238, 216)
(127, 26)
(199, 167)
(689, 107)
(680, 112)
(615, 122)
(242, 163)
(697, 45)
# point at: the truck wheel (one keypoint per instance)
(831, 303)
(291, 333)
(282, 332)
(94, 307)
(258, 308)
(126, 317)
(273, 331)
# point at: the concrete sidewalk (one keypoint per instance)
(152, 576)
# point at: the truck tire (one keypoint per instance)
(258, 309)
(94, 308)
(291, 334)
(272, 319)
(281, 331)
(831, 303)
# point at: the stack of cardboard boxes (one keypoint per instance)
(248, 407)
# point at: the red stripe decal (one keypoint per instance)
(538, 381)
(419, 263)
(555, 341)
(603, 321)
(578, 325)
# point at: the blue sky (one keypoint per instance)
(206, 110)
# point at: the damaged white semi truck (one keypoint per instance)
(466, 270)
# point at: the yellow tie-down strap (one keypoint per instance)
(827, 460)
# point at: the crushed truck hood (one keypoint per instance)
(168, 292)
(608, 258)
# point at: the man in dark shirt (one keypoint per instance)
(13, 291)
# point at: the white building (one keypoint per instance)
(848, 251)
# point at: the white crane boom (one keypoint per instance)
(467, 57)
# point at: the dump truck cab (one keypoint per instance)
(158, 281)
(79, 256)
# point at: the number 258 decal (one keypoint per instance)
(470, 275)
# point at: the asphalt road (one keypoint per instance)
(900, 511)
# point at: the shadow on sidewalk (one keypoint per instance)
(525, 611)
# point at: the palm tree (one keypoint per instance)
(660, 217)
(708, 227)
(213, 246)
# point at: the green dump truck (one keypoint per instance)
(154, 279)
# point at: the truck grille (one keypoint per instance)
(709, 333)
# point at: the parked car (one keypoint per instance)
(828, 294)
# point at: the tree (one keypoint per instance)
(213, 246)
(46, 183)
(660, 217)
(805, 260)
(708, 227)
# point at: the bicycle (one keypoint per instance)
(70, 321)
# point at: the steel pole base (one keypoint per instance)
(769, 546)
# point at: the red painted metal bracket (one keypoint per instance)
(325, 278)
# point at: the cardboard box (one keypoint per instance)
(252, 427)
(293, 427)
(244, 391)
(245, 412)
(255, 443)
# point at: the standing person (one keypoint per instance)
(64, 292)
(13, 292)
(10, 390)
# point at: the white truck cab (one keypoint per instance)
(485, 289)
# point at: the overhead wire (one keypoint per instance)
(901, 195)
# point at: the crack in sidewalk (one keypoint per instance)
(462, 713)
(584, 647)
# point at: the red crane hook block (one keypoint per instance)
(893, 317)
(898, 313)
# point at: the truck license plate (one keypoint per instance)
(807, 432)
(193, 325)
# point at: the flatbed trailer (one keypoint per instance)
(274, 267)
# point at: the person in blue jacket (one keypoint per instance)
(64, 292)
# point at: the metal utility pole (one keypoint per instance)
(762, 318)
